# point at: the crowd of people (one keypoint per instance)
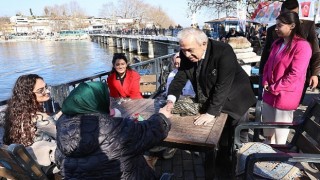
(207, 71)
(253, 31)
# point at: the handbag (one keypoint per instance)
(186, 106)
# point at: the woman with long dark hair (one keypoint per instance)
(25, 120)
(123, 82)
(284, 75)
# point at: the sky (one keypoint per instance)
(176, 9)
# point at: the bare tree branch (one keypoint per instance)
(228, 7)
(66, 16)
(136, 9)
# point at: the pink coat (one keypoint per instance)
(285, 73)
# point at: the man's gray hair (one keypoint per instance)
(198, 35)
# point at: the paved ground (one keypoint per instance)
(184, 165)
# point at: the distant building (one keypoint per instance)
(227, 22)
(45, 25)
(23, 24)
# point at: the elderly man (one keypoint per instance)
(308, 33)
(221, 85)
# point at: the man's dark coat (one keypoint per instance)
(225, 85)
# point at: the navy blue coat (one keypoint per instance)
(97, 146)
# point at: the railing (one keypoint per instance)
(156, 32)
(161, 66)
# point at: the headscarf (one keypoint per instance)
(88, 97)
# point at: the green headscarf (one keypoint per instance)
(89, 97)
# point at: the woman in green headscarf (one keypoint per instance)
(92, 97)
(95, 145)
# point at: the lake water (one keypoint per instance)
(57, 62)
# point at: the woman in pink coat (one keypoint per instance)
(123, 82)
(284, 75)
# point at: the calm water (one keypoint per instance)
(57, 62)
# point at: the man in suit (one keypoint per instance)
(308, 33)
(221, 85)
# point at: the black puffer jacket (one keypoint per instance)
(97, 146)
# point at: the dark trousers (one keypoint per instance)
(227, 136)
(260, 90)
(306, 85)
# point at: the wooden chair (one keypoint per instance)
(17, 163)
(304, 147)
(148, 84)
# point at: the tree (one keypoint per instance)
(75, 10)
(123, 9)
(136, 9)
(221, 6)
(5, 26)
(46, 11)
(159, 17)
(66, 16)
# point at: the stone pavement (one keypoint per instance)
(185, 165)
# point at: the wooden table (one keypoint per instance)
(183, 134)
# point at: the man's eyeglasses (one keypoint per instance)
(42, 91)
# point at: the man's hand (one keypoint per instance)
(204, 119)
(313, 82)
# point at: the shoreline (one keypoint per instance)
(30, 38)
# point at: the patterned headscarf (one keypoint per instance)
(89, 97)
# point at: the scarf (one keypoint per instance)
(89, 97)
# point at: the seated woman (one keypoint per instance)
(123, 82)
(96, 145)
(26, 123)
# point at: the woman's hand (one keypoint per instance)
(58, 115)
(166, 111)
(112, 112)
(266, 87)
(169, 105)
(313, 82)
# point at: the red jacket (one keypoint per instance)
(130, 87)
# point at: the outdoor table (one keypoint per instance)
(183, 134)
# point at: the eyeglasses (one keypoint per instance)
(43, 91)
